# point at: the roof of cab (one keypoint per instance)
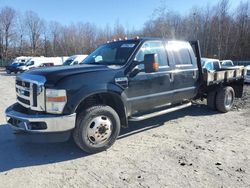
(143, 39)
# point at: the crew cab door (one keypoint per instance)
(185, 72)
(150, 90)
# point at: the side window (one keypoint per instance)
(153, 47)
(216, 65)
(209, 66)
(182, 57)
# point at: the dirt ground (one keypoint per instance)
(194, 147)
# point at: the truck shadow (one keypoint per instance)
(16, 154)
(137, 127)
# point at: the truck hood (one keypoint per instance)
(56, 73)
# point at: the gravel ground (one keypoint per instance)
(194, 147)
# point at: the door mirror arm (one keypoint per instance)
(134, 68)
(134, 72)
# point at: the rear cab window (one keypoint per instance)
(182, 55)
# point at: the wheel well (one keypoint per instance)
(238, 88)
(111, 99)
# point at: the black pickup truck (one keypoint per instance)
(121, 81)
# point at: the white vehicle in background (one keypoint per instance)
(226, 63)
(21, 59)
(75, 59)
(210, 64)
(16, 63)
(247, 80)
(36, 62)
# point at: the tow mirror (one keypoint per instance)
(151, 63)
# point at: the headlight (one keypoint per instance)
(55, 100)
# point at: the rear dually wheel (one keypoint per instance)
(224, 99)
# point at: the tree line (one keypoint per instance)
(223, 32)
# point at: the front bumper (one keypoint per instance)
(38, 123)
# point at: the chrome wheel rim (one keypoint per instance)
(99, 130)
(228, 99)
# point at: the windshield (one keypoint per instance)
(116, 53)
(68, 62)
(29, 63)
(14, 64)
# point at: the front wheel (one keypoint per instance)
(224, 99)
(97, 128)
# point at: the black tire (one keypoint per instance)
(8, 71)
(223, 101)
(84, 122)
(211, 100)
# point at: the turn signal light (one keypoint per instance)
(155, 66)
(56, 99)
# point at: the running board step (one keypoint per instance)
(154, 114)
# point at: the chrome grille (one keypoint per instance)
(24, 93)
(30, 92)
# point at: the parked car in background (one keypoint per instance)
(75, 59)
(17, 62)
(210, 64)
(247, 80)
(36, 62)
(226, 63)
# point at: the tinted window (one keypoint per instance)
(209, 66)
(182, 56)
(227, 63)
(153, 47)
(216, 65)
(68, 62)
(30, 63)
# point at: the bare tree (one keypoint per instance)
(55, 29)
(34, 26)
(7, 21)
(222, 32)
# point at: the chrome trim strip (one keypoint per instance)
(23, 96)
(23, 88)
(184, 65)
(154, 114)
(171, 71)
(160, 94)
(31, 95)
(182, 70)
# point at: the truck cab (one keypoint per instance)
(120, 81)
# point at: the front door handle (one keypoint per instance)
(171, 77)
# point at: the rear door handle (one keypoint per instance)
(194, 74)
